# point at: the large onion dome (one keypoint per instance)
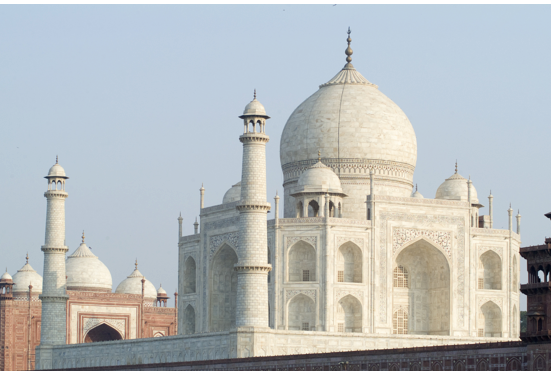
(357, 129)
(85, 272)
(133, 285)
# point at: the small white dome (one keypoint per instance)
(319, 178)
(233, 194)
(27, 276)
(85, 272)
(417, 194)
(6, 276)
(133, 285)
(161, 291)
(57, 171)
(254, 108)
(456, 188)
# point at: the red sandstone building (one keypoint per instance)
(94, 312)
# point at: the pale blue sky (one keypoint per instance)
(141, 105)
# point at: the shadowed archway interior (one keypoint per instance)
(103, 332)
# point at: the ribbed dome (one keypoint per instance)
(233, 194)
(348, 118)
(26, 276)
(319, 178)
(133, 285)
(254, 108)
(456, 188)
(57, 171)
(85, 272)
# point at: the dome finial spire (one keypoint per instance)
(348, 50)
(254, 94)
(136, 263)
(456, 166)
(27, 258)
(319, 156)
(56, 159)
(83, 236)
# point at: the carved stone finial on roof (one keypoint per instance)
(348, 50)
(456, 166)
(136, 263)
(56, 159)
(83, 237)
(27, 258)
(254, 98)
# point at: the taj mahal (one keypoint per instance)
(357, 258)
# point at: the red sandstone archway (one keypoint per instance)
(102, 333)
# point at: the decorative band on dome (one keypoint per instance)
(349, 76)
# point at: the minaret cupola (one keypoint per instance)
(56, 177)
(254, 117)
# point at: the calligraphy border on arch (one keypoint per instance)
(289, 294)
(312, 240)
(426, 221)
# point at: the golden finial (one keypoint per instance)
(83, 236)
(456, 166)
(27, 258)
(56, 158)
(254, 94)
(319, 156)
(348, 50)
(136, 263)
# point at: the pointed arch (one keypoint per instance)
(349, 263)
(102, 332)
(190, 276)
(313, 209)
(428, 295)
(301, 313)
(489, 271)
(223, 289)
(302, 262)
(489, 320)
(189, 320)
(349, 314)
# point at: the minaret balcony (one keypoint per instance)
(535, 288)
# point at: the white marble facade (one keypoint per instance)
(358, 261)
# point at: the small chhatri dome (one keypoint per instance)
(85, 272)
(6, 276)
(254, 108)
(161, 291)
(56, 171)
(319, 178)
(417, 194)
(25, 277)
(456, 188)
(133, 285)
(233, 194)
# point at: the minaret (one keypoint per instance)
(518, 223)
(491, 209)
(54, 295)
(202, 192)
(252, 267)
(510, 212)
(180, 220)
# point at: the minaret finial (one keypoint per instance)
(348, 50)
(83, 237)
(319, 156)
(456, 166)
(136, 263)
(56, 159)
(27, 258)
(254, 94)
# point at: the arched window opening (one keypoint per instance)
(459, 366)
(400, 322)
(251, 127)
(427, 291)
(313, 209)
(541, 275)
(533, 275)
(332, 209)
(300, 210)
(259, 126)
(400, 277)
(190, 276)
(189, 320)
(489, 271)
(482, 366)
(490, 320)
(513, 365)
(59, 185)
(302, 262)
(102, 332)
(223, 290)
(349, 314)
(349, 263)
(302, 314)
(540, 324)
